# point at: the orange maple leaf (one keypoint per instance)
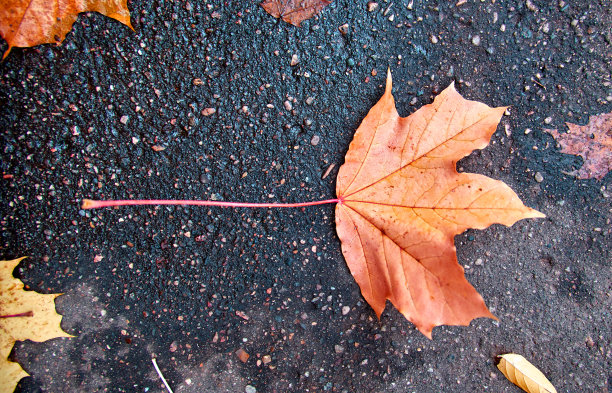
(294, 11)
(402, 202)
(32, 22)
(592, 142)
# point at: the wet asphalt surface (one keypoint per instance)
(202, 101)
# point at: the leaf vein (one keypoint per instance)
(410, 163)
(378, 125)
(365, 258)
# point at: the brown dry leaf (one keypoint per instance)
(402, 202)
(26, 23)
(524, 374)
(592, 142)
(39, 322)
(294, 11)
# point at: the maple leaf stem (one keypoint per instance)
(23, 314)
(91, 204)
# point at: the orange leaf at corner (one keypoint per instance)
(402, 203)
(25, 23)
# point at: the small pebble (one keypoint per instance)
(288, 105)
(208, 111)
(538, 177)
(548, 120)
(294, 60)
(433, 39)
(531, 6)
(124, 119)
(339, 349)
(478, 262)
(344, 28)
(315, 140)
(242, 355)
(205, 178)
(372, 6)
(476, 40)
(589, 342)
(309, 100)
(346, 310)
(250, 389)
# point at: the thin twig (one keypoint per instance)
(161, 375)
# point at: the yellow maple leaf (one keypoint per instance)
(24, 315)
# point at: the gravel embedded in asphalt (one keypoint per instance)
(159, 112)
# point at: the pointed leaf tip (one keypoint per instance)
(8, 50)
(389, 84)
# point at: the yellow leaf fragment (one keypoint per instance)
(524, 374)
(24, 315)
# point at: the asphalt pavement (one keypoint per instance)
(219, 100)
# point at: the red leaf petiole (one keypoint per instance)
(91, 204)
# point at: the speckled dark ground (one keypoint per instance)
(190, 286)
